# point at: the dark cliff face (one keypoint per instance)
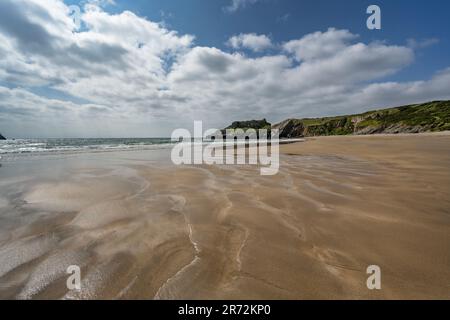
(291, 128)
(2, 137)
(432, 116)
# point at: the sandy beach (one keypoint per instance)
(142, 228)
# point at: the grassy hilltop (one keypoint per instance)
(426, 117)
(252, 124)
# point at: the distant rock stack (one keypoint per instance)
(2, 137)
(252, 124)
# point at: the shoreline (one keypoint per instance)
(156, 147)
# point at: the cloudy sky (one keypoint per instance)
(143, 68)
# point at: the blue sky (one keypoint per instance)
(285, 20)
(144, 68)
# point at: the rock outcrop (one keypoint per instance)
(252, 124)
(2, 137)
(291, 128)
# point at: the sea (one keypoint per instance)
(31, 146)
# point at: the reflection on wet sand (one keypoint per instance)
(151, 230)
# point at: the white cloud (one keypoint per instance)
(352, 64)
(101, 3)
(250, 41)
(138, 78)
(236, 5)
(284, 18)
(319, 45)
(420, 44)
(397, 93)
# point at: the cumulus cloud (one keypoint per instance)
(124, 75)
(250, 41)
(319, 45)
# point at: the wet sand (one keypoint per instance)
(141, 228)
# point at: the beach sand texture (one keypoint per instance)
(145, 230)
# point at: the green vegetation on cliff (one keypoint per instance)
(426, 117)
(252, 124)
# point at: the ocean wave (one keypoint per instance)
(24, 146)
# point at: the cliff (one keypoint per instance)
(426, 117)
(252, 124)
(2, 137)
